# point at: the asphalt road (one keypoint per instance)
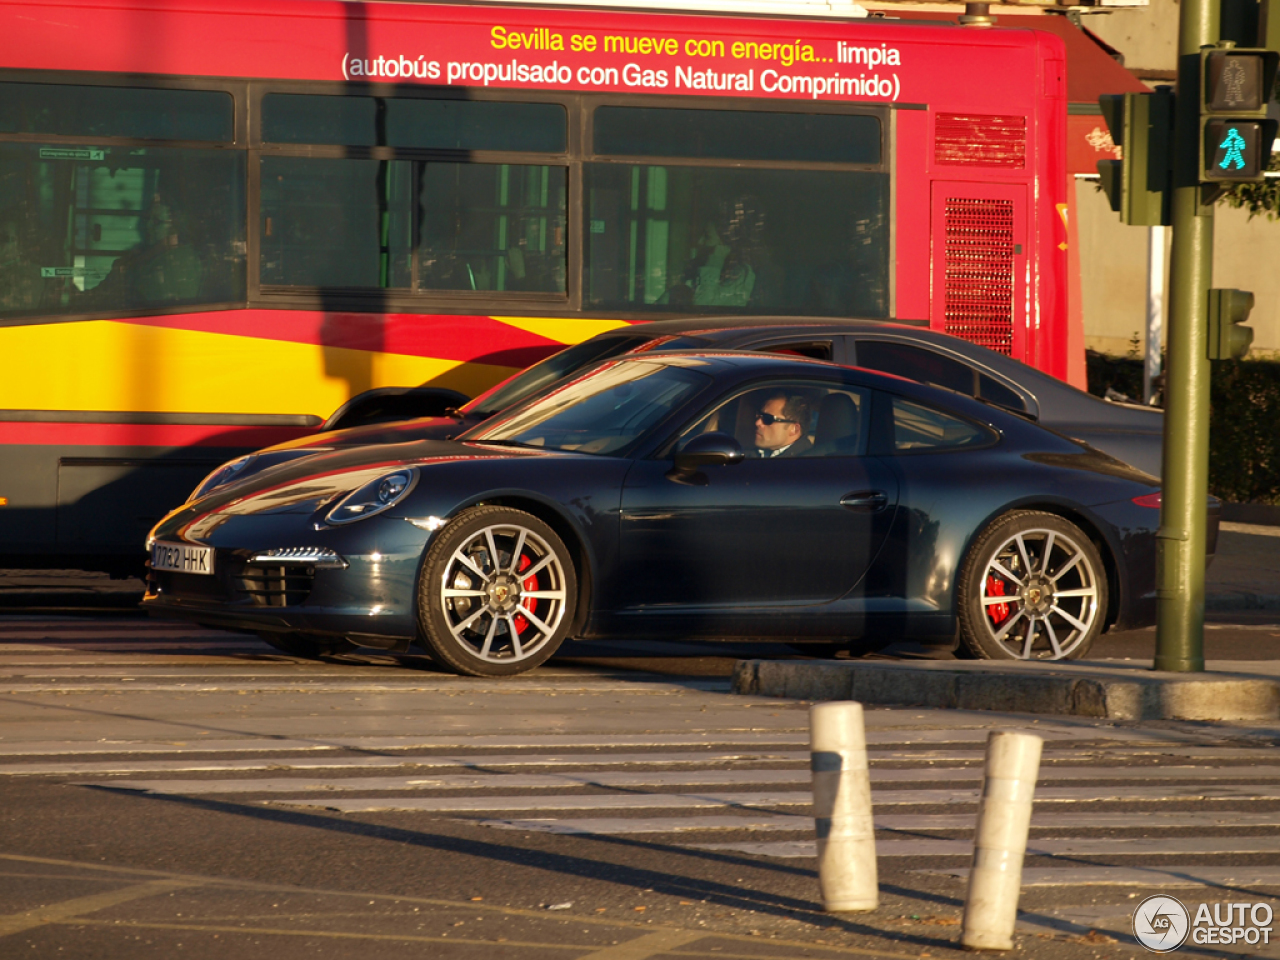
(167, 791)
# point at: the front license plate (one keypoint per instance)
(181, 558)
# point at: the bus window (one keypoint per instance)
(319, 227)
(747, 239)
(497, 227)
(96, 228)
(483, 227)
(737, 135)
(415, 123)
(134, 112)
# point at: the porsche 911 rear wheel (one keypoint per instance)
(497, 593)
(1032, 588)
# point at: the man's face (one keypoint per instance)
(777, 434)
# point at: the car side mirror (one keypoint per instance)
(708, 450)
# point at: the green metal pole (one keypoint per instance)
(1180, 543)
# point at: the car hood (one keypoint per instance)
(303, 484)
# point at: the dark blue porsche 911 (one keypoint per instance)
(680, 495)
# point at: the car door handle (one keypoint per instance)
(868, 500)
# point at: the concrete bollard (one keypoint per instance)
(842, 808)
(1004, 820)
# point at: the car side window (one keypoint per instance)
(923, 366)
(920, 428)
(790, 419)
(993, 391)
(814, 350)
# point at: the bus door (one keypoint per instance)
(981, 265)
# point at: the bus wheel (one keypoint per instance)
(1032, 588)
(306, 646)
(497, 593)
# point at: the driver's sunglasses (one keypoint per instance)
(768, 419)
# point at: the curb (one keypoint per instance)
(1227, 601)
(1084, 690)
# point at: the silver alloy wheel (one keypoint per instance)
(503, 593)
(1040, 595)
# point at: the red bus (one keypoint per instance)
(218, 222)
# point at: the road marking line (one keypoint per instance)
(67, 910)
(1054, 847)
(642, 948)
(664, 778)
(316, 933)
(1157, 878)
(883, 798)
(764, 823)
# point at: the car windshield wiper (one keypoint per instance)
(454, 413)
(505, 443)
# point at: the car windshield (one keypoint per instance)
(601, 412)
(548, 371)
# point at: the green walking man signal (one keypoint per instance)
(1236, 135)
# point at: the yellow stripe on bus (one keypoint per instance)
(112, 366)
(562, 330)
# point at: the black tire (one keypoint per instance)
(305, 646)
(496, 619)
(1056, 604)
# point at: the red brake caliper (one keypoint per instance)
(998, 612)
(530, 584)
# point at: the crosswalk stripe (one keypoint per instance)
(880, 798)
(429, 742)
(668, 778)
(785, 823)
(1155, 878)
(1059, 847)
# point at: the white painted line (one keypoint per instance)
(408, 684)
(1156, 878)
(977, 735)
(754, 739)
(783, 823)
(478, 761)
(881, 798)
(612, 801)
(670, 778)
(1057, 847)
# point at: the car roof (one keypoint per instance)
(721, 325)
(749, 363)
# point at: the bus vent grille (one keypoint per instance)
(979, 272)
(980, 140)
(275, 586)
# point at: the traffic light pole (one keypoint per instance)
(1180, 542)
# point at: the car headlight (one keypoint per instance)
(220, 476)
(374, 497)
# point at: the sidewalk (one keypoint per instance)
(1245, 573)
(1244, 576)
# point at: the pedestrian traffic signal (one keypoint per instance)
(1139, 185)
(1228, 310)
(1236, 85)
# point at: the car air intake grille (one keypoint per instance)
(187, 586)
(980, 140)
(276, 585)
(979, 272)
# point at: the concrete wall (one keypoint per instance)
(1147, 36)
(1113, 272)
(1113, 257)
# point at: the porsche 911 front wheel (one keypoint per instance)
(497, 593)
(1033, 587)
